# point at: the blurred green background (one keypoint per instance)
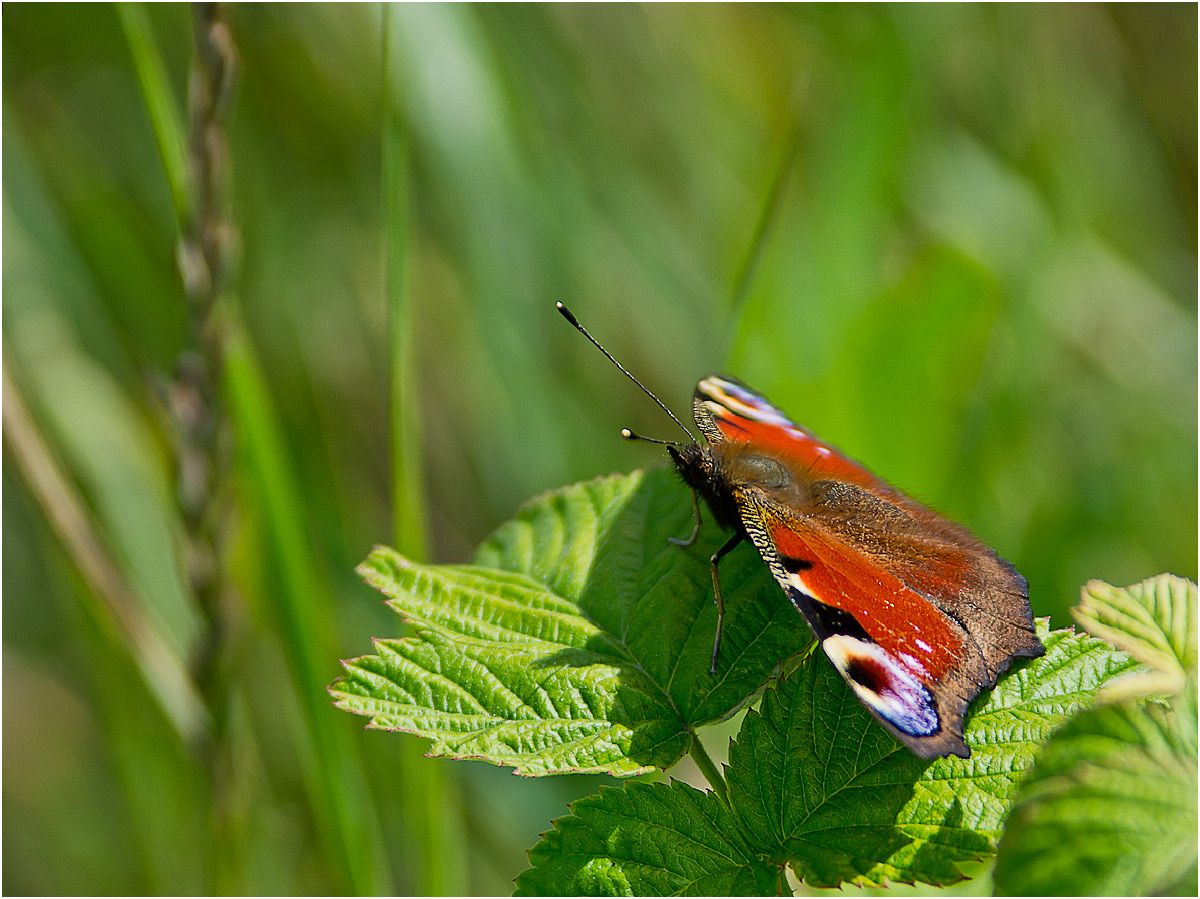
(957, 241)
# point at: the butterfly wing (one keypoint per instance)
(915, 613)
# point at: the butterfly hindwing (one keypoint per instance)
(911, 666)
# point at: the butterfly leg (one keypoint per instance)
(696, 530)
(714, 561)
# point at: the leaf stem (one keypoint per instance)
(708, 769)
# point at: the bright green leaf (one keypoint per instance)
(1110, 808)
(647, 840)
(815, 780)
(503, 670)
(1154, 621)
(584, 645)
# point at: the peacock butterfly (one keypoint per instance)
(915, 613)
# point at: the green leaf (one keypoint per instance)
(1154, 621)
(506, 671)
(1110, 808)
(647, 840)
(816, 781)
(584, 645)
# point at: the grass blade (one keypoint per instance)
(161, 667)
(768, 210)
(408, 493)
(160, 103)
(424, 783)
(341, 803)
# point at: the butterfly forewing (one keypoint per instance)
(727, 410)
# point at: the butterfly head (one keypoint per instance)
(696, 466)
(702, 470)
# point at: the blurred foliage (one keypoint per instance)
(957, 241)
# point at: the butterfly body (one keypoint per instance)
(915, 613)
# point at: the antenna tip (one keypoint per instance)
(628, 434)
(566, 313)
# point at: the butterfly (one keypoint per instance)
(916, 614)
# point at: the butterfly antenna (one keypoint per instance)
(566, 313)
(630, 435)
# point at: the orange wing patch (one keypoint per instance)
(897, 618)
